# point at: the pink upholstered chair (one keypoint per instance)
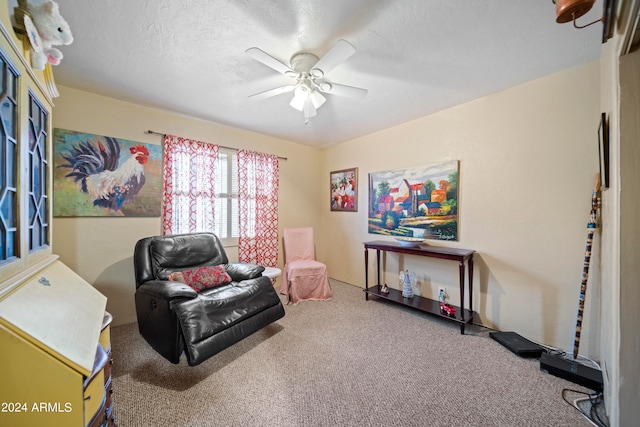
(304, 278)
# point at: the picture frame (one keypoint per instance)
(343, 189)
(603, 151)
(416, 202)
(89, 179)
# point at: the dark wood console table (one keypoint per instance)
(427, 305)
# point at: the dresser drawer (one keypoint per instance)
(100, 418)
(105, 332)
(108, 389)
(94, 394)
(107, 368)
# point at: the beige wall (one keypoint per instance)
(527, 155)
(629, 237)
(101, 249)
(620, 89)
(610, 219)
(528, 159)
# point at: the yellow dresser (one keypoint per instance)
(53, 367)
(55, 351)
(105, 343)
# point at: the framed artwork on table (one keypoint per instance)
(344, 190)
(417, 202)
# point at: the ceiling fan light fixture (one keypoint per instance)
(317, 99)
(302, 90)
(307, 102)
(300, 95)
(309, 110)
(298, 102)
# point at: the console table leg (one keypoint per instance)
(470, 263)
(461, 278)
(378, 262)
(366, 274)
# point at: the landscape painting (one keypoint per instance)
(420, 202)
(96, 175)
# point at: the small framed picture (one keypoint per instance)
(344, 190)
(603, 150)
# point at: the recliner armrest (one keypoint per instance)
(167, 289)
(240, 271)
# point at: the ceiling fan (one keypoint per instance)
(309, 74)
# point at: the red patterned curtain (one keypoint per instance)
(188, 192)
(258, 208)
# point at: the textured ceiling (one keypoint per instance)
(415, 57)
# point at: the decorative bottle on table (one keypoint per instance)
(407, 280)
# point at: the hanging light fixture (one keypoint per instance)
(570, 10)
(306, 97)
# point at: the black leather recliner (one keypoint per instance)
(173, 317)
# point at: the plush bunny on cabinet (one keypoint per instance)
(52, 30)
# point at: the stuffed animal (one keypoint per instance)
(53, 31)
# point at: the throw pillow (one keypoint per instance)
(201, 278)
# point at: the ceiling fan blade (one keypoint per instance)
(272, 92)
(343, 90)
(340, 51)
(268, 60)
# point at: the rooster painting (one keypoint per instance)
(99, 170)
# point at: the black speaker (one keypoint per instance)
(572, 370)
(517, 344)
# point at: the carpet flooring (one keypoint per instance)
(344, 362)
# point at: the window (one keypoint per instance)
(201, 193)
(200, 189)
(189, 170)
(226, 217)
